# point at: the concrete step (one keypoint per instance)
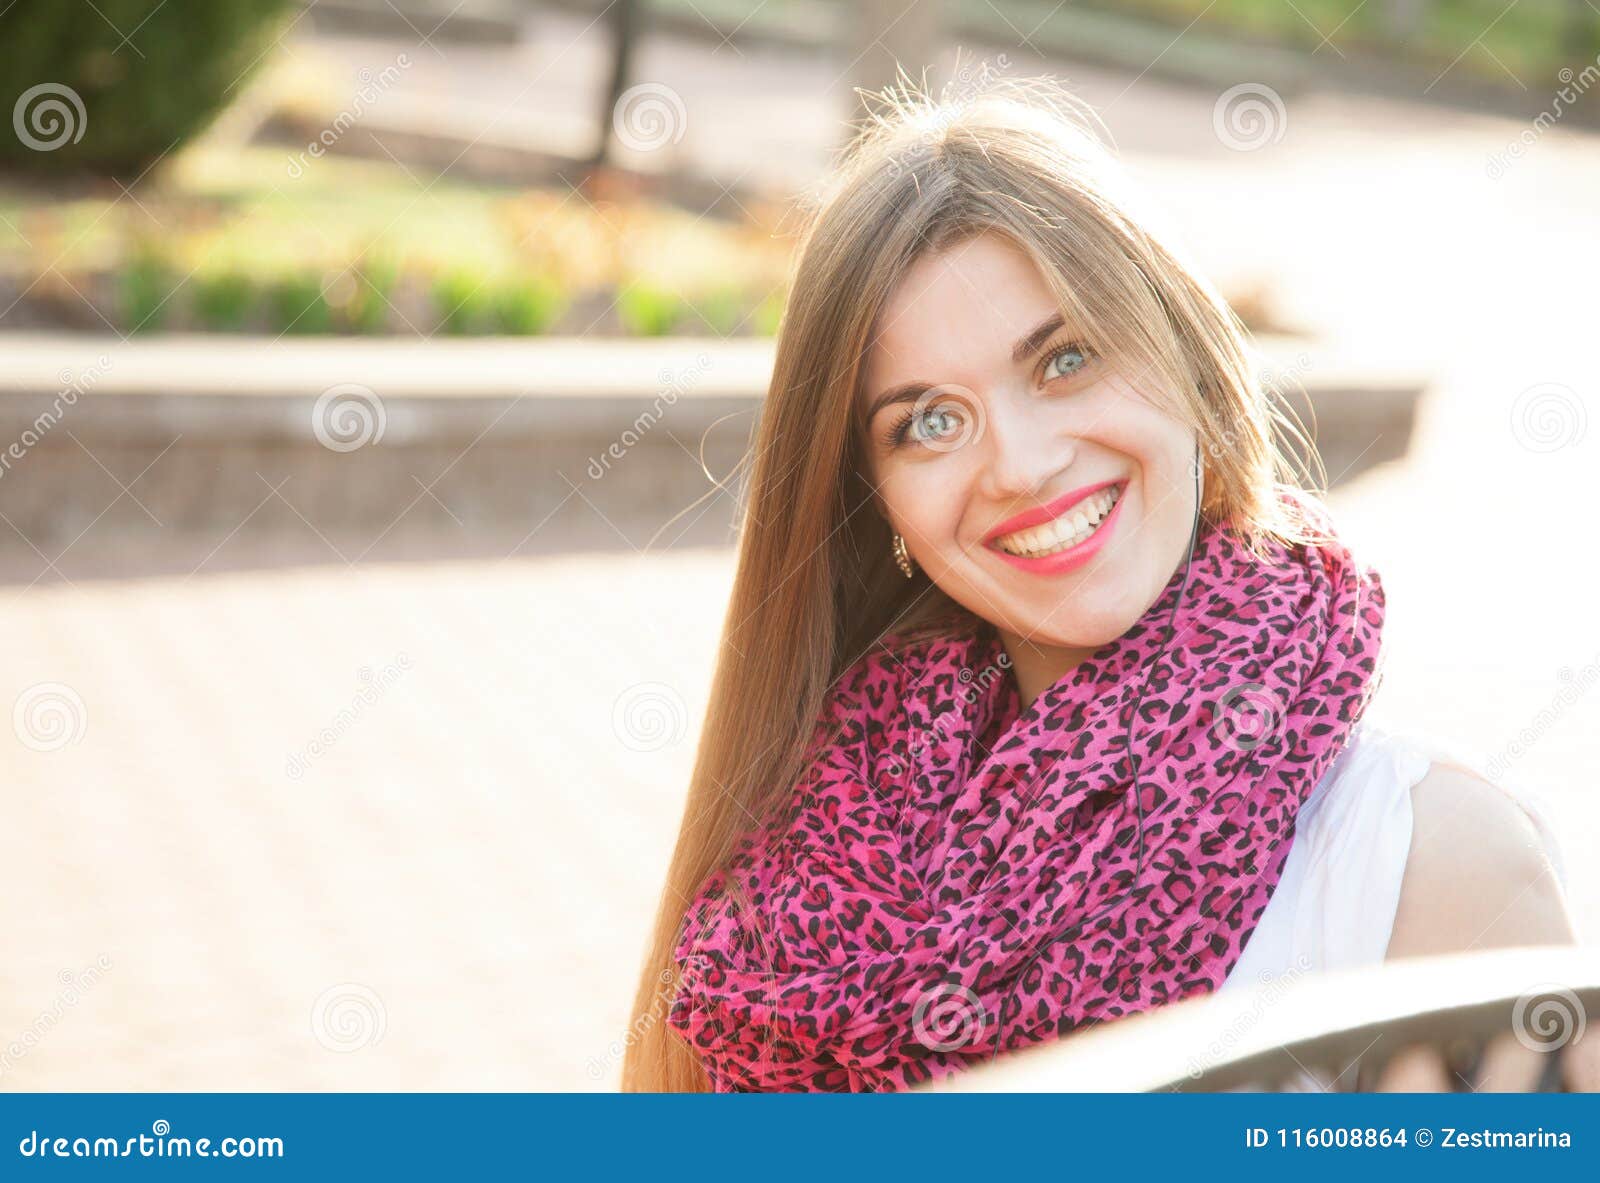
(384, 449)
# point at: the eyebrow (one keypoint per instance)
(1026, 346)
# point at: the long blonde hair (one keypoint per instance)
(815, 583)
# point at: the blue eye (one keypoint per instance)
(937, 422)
(929, 426)
(1073, 358)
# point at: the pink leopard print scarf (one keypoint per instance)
(957, 873)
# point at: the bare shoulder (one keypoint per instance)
(1477, 876)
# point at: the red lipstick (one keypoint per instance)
(1065, 560)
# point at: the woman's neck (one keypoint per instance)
(1038, 666)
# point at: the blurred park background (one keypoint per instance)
(373, 375)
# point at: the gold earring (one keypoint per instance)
(902, 556)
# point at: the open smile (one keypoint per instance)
(1061, 535)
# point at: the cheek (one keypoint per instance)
(927, 499)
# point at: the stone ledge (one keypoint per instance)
(584, 442)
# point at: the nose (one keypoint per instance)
(1023, 451)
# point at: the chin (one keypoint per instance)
(1076, 625)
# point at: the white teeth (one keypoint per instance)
(1064, 532)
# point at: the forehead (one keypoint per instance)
(957, 312)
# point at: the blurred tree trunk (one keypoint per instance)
(623, 18)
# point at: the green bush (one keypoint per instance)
(723, 310)
(527, 306)
(461, 302)
(648, 310)
(369, 307)
(147, 283)
(100, 104)
(223, 302)
(297, 305)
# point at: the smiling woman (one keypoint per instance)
(1037, 655)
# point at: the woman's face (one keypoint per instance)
(1039, 487)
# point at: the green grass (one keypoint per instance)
(228, 240)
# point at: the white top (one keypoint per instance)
(1334, 906)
